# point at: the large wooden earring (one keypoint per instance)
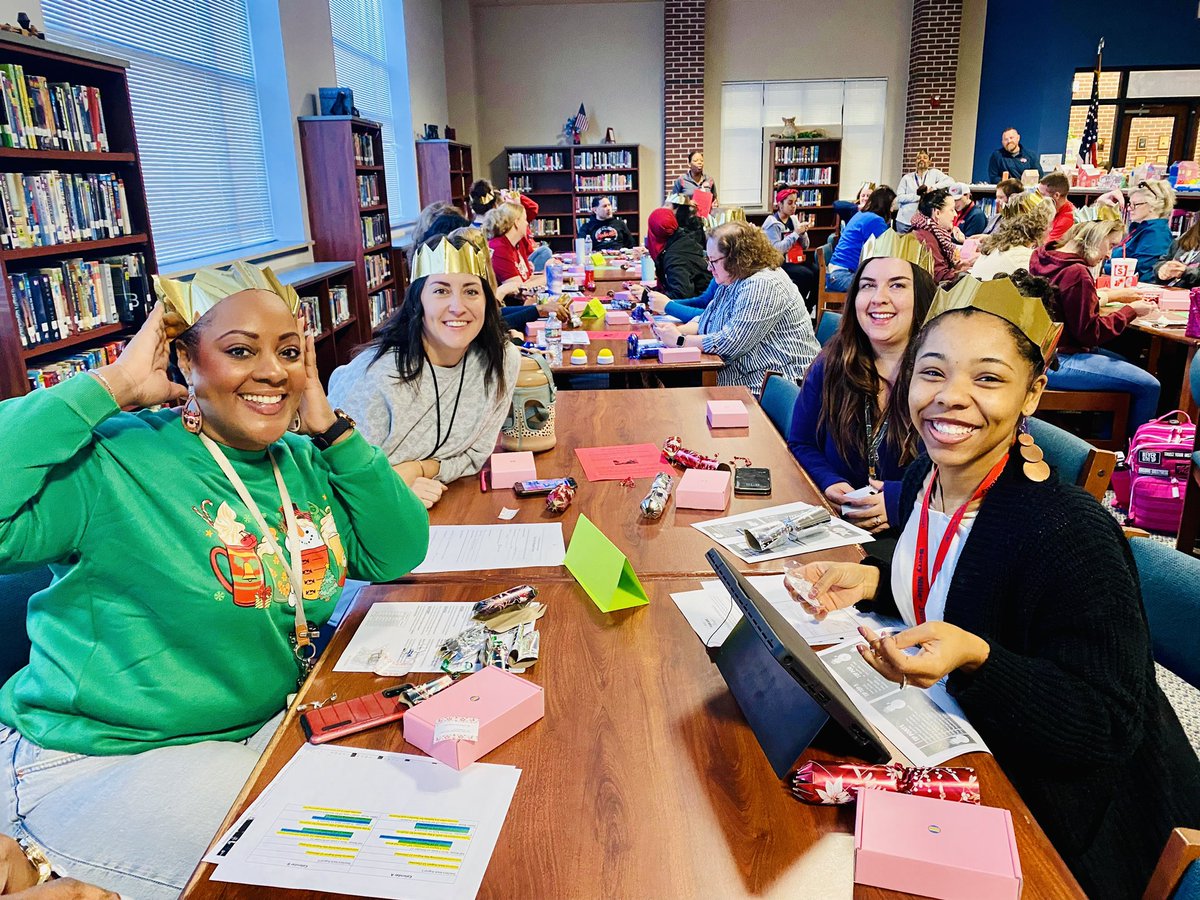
(1035, 466)
(193, 418)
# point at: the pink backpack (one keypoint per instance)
(1160, 458)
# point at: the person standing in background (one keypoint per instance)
(694, 178)
(1010, 160)
(913, 185)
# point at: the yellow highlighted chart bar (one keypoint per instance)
(325, 847)
(334, 855)
(338, 825)
(439, 835)
(424, 819)
(427, 856)
(351, 812)
(413, 862)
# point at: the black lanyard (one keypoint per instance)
(438, 395)
(874, 439)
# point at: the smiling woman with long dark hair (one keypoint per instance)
(434, 387)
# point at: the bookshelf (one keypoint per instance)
(326, 287)
(444, 172)
(564, 180)
(813, 167)
(348, 213)
(85, 214)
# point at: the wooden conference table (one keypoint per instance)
(1172, 336)
(643, 779)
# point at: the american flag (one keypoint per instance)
(1091, 129)
(581, 120)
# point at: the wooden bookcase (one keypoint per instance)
(562, 189)
(332, 167)
(444, 172)
(789, 155)
(318, 280)
(58, 63)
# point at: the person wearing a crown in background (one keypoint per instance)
(181, 615)
(1020, 590)
(433, 389)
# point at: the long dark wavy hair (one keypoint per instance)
(402, 333)
(851, 380)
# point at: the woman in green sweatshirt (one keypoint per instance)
(165, 645)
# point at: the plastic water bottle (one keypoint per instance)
(587, 245)
(554, 344)
(554, 278)
(589, 274)
(649, 277)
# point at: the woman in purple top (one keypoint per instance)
(845, 432)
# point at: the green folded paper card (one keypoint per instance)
(594, 310)
(602, 570)
(599, 260)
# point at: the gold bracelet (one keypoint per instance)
(37, 858)
(104, 381)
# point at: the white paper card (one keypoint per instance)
(473, 548)
(403, 637)
(727, 532)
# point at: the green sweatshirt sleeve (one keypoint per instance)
(48, 484)
(384, 527)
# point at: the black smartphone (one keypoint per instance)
(544, 486)
(752, 480)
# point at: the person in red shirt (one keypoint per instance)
(507, 229)
(1055, 186)
(1083, 365)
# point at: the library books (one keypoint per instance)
(545, 228)
(806, 154)
(612, 159)
(381, 303)
(375, 230)
(81, 361)
(607, 182)
(807, 175)
(339, 302)
(585, 204)
(40, 209)
(368, 190)
(521, 183)
(536, 162)
(77, 295)
(38, 114)
(310, 314)
(379, 269)
(364, 150)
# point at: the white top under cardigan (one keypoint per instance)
(906, 553)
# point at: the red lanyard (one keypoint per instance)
(920, 583)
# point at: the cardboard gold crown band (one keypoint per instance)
(897, 246)
(445, 259)
(1000, 297)
(189, 300)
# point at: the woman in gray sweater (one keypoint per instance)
(436, 384)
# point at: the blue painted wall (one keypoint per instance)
(1031, 49)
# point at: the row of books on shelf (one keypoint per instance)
(584, 205)
(364, 149)
(545, 228)
(38, 114)
(382, 302)
(378, 267)
(630, 220)
(77, 295)
(51, 374)
(339, 304)
(368, 190)
(608, 159)
(536, 162)
(46, 208)
(375, 229)
(310, 314)
(809, 197)
(1182, 220)
(810, 153)
(608, 182)
(805, 175)
(520, 183)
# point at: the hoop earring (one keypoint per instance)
(193, 418)
(1035, 466)
(294, 427)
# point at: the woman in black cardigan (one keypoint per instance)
(1035, 615)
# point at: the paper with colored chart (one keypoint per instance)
(370, 823)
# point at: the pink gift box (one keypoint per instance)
(509, 468)
(532, 328)
(935, 848)
(616, 317)
(1174, 299)
(678, 354)
(623, 296)
(578, 306)
(502, 703)
(703, 489)
(728, 414)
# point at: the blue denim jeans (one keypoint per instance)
(1103, 370)
(135, 824)
(838, 279)
(539, 257)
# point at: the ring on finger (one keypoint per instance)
(903, 682)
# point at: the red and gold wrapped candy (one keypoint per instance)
(832, 784)
(560, 498)
(674, 450)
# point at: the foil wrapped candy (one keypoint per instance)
(560, 498)
(674, 451)
(655, 502)
(771, 535)
(833, 784)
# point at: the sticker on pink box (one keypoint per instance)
(728, 414)
(935, 848)
(616, 317)
(704, 489)
(678, 354)
(492, 704)
(509, 468)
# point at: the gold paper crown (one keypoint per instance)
(1107, 213)
(1000, 297)
(189, 300)
(897, 246)
(723, 215)
(680, 199)
(1026, 201)
(445, 258)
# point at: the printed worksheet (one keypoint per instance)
(727, 532)
(473, 548)
(405, 635)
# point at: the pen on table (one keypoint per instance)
(483, 481)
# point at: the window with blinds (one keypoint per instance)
(361, 61)
(195, 102)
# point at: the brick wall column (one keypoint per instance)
(932, 69)
(683, 83)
